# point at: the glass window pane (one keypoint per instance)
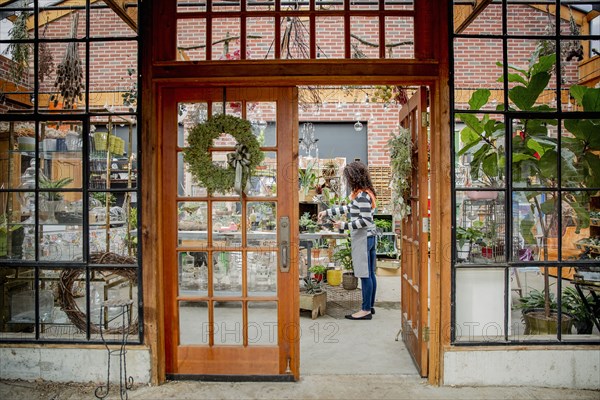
(364, 4)
(399, 5)
(189, 6)
(102, 16)
(191, 39)
(480, 305)
(263, 182)
(17, 304)
(482, 74)
(229, 325)
(262, 323)
(190, 115)
(330, 37)
(530, 303)
(260, 38)
(17, 162)
(187, 185)
(194, 326)
(227, 273)
(487, 22)
(263, 117)
(192, 225)
(295, 38)
(481, 155)
(534, 155)
(481, 227)
(262, 273)
(193, 273)
(226, 39)
(365, 37)
(578, 302)
(399, 37)
(522, 19)
(535, 224)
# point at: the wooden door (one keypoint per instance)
(415, 257)
(231, 308)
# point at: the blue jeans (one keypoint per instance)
(369, 285)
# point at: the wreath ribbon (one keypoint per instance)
(240, 161)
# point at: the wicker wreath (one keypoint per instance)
(199, 159)
(68, 287)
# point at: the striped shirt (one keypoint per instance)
(360, 212)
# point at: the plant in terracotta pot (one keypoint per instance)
(535, 302)
(318, 272)
(343, 256)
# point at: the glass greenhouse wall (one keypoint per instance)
(526, 165)
(69, 173)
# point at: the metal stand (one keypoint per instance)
(125, 382)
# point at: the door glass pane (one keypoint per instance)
(228, 324)
(190, 114)
(192, 224)
(262, 116)
(263, 182)
(187, 185)
(227, 273)
(261, 224)
(262, 273)
(193, 322)
(226, 224)
(193, 273)
(262, 323)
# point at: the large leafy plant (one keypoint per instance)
(535, 149)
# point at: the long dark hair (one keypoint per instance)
(358, 177)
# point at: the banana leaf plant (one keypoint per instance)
(535, 150)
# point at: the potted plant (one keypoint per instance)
(343, 256)
(52, 199)
(533, 306)
(307, 224)
(535, 153)
(466, 237)
(573, 304)
(313, 298)
(318, 272)
(307, 179)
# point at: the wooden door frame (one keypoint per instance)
(430, 69)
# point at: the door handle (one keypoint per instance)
(284, 244)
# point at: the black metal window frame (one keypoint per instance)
(509, 116)
(86, 118)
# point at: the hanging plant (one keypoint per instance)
(401, 163)
(241, 163)
(46, 60)
(69, 73)
(19, 52)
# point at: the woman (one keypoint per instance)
(362, 232)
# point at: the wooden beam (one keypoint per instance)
(302, 72)
(479, 7)
(46, 17)
(128, 16)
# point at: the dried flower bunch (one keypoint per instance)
(69, 73)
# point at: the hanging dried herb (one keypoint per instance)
(19, 52)
(46, 60)
(69, 73)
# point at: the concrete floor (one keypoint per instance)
(344, 347)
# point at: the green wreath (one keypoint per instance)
(241, 163)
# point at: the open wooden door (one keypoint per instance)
(231, 282)
(415, 254)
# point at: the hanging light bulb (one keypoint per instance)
(358, 126)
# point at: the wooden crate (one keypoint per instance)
(381, 176)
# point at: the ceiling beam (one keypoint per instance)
(477, 9)
(127, 13)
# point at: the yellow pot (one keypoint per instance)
(334, 277)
